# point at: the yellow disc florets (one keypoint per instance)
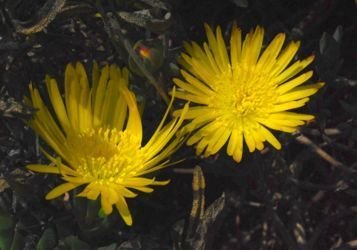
(106, 155)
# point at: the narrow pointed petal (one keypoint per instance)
(40, 168)
(134, 121)
(123, 209)
(61, 189)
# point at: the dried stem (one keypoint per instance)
(322, 153)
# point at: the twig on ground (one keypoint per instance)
(322, 153)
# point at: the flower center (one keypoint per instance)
(244, 93)
(244, 103)
(107, 156)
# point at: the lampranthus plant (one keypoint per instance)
(96, 133)
(242, 92)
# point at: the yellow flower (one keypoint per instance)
(96, 133)
(243, 93)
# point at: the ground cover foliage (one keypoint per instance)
(301, 197)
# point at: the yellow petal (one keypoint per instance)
(201, 146)
(219, 138)
(187, 46)
(137, 181)
(290, 105)
(235, 45)
(267, 59)
(134, 120)
(293, 70)
(61, 189)
(248, 138)
(95, 77)
(161, 183)
(57, 102)
(254, 48)
(91, 191)
(43, 168)
(222, 50)
(187, 87)
(291, 116)
(233, 142)
(273, 125)
(285, 87)
(258, 139)
(209, 58)
(123, 209)
(285, 57)
(76, 179)
(235, 145)
(269, 137)
(300, 92)
(98, 96)
(143, 189)
(196, 83)
(105, 203)
(201, 99)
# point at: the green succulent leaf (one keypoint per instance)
(48, 240)
(6, 221)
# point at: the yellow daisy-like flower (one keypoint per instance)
(96, 133)
(243, 93)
